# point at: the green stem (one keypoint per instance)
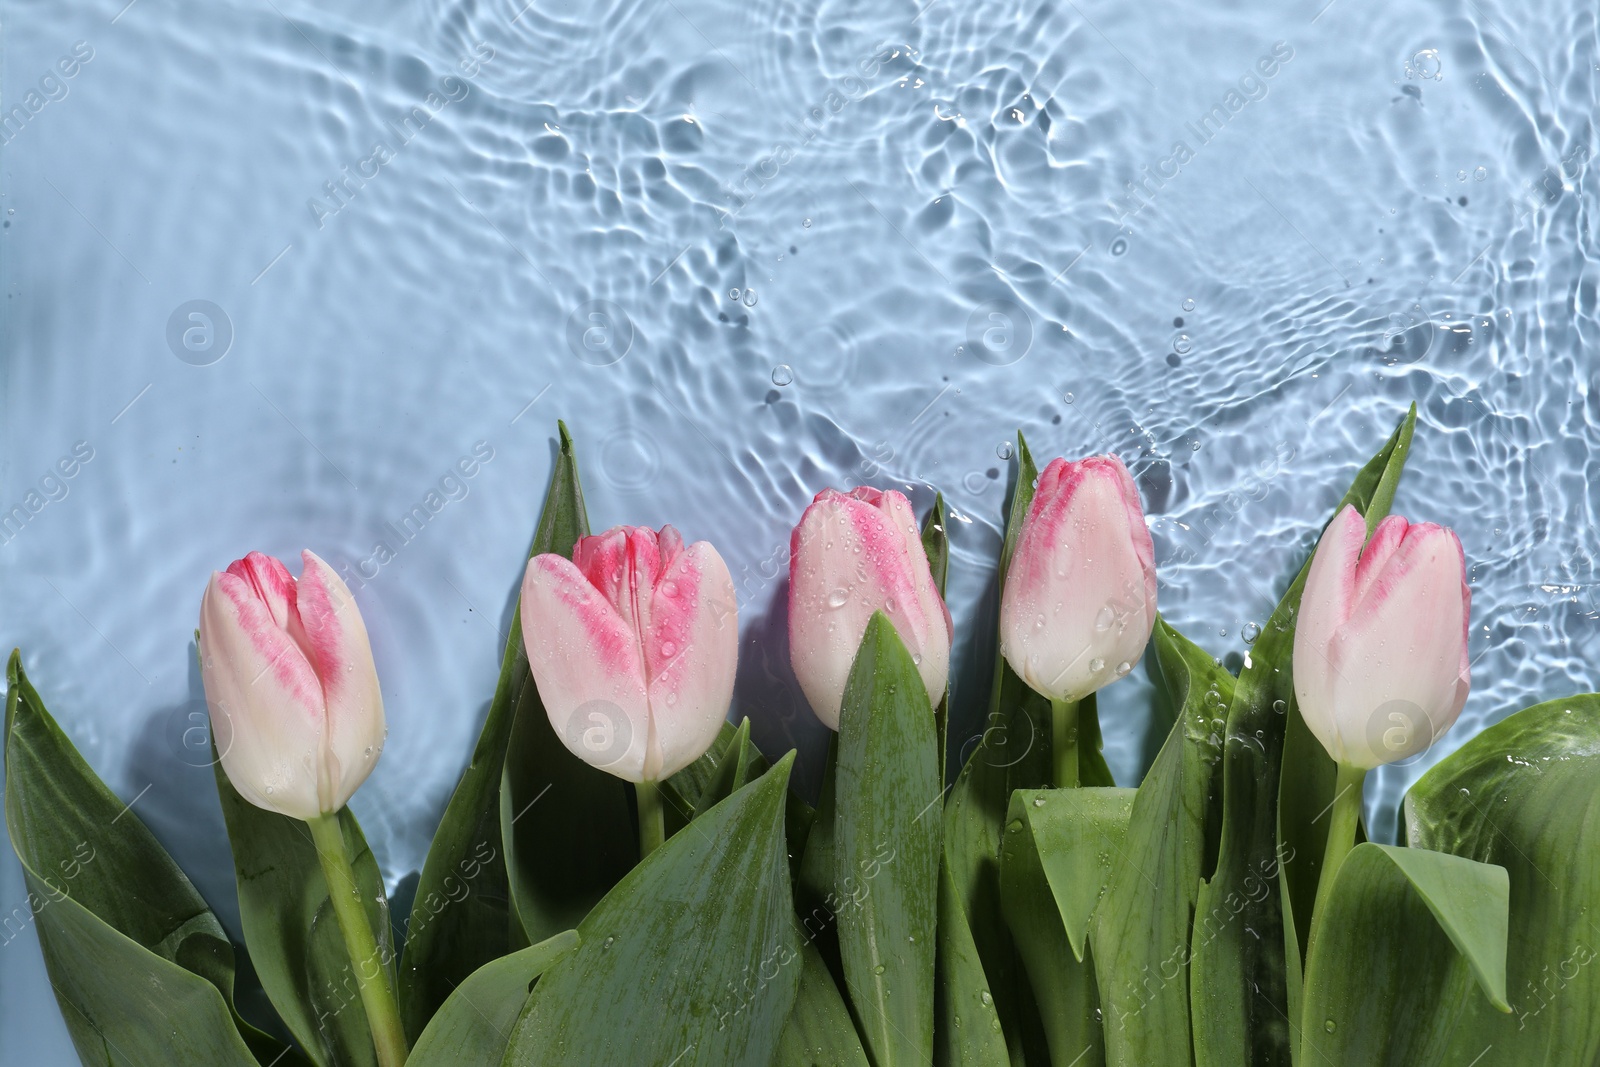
(652, 819)
(371, 969)
(1341, 830)
(1064, 742)
(1341, 839)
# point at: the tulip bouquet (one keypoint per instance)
(622, 878)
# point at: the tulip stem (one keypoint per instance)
(1341, 828)
(369, 964)
(1064, 742)
(652, 819)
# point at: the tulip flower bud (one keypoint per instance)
(290, 682)
(1380, 649)
(851, 555)
(1080, 594)
(633, 644)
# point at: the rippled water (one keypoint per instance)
(749, 250)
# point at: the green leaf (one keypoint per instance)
(291, 931)
(886, 848)
(966, 1031)
(1395, 915)
(691, 958)
(1013, 753)
(1524, 795)
(819, 1032)
(936, 543)
(741, 765)
(1245, 982)
(1092, 768)
(1141, 926)
(1060, 845)
(129, 945)
(474, 1025)
(462, 917)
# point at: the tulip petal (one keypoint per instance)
(851, 555)
(1079, 598)
(587, 663)
(1325, 603)
(1399, 662)
(272, 582)
(690, 653)
(266, 704)
(341, 655)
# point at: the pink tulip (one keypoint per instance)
(1080, 594)
(633, 644)
(1380, 650)
(851, 555)
(289, 679)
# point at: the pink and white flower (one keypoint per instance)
(853, 554)
(1080, 593)
(1380, 649)
(290, 683)
(633, 644)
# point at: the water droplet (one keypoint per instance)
(1038, 622)
(367, 752)
(1038, 802)
(1003, 450)
(669, 649)
(1250, 632)
(672, 699)
(986, 998)
(1461, 175)
(1123, 668)
(1182, 344)
(1119, 246)
(1069, 398)
(888, 605)
(916, 658)
(1330, 1026)
(1103, 621)
(1425, 65)
(1188, 305)
(1014, 826)
(879, 969)
(733, 294)
(750, 298)
(1466, 792)
(669, 588)
(782, 374)
(806, 223)
(1480, 174)
(1280, 706)
(1097, 665)
(1194, 445)
(269, 790)
(608, 942)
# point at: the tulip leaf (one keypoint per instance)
(474, 1025)
(459, 923)
(1404, 916)
(1059, 848)
(886, 848)
(1245, 981)
(568, 828)
(1141, 926)
(1523, 795)
(289, 927)
(691, 958)
(1092, 767)
(741, 765)
(819, 1032)
(680, 791)
(815, 900)
(1013, 752)
(129, 945)
(966, 1030)
(936, 543)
